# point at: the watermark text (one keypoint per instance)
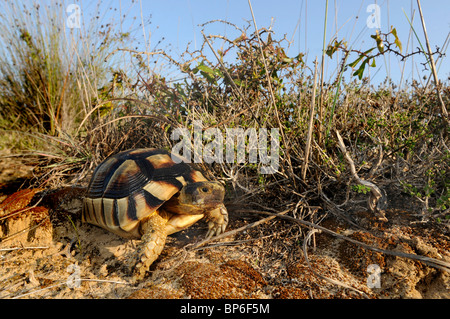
(237, 143)
(373, 20)
(74, 17)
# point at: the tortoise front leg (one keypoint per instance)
(153, 230)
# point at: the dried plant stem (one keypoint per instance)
(230, 79)
(322, 68)
(38, 290)
(21, 248)
(311, 121)
(269, 83)
(375, 192)
(238, 230)
(269, 86)
(433, 65)
(65, 283)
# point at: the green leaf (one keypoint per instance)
(333, 48)
(368, 51)
(354, 63)
(360, 71)
(205, 68)
(208, 73)
(397, 41)
(218, 72)
(208, 77)
(377, 38)
(330, 50)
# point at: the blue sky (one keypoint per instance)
(302, 21)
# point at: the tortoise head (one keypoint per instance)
(196, 198)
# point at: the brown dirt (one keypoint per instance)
(45, 250)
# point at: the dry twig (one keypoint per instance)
(432, 64)
(375, 193)
(238, 230)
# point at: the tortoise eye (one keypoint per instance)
(205, 189)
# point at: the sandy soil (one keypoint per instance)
(48, 253)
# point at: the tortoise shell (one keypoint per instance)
(132, 185)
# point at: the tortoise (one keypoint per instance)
(144, 193)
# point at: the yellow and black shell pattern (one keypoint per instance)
(132, 185)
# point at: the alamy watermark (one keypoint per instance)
(373, 20)
(74, 17)
(374, 276)
(238, 142)
(74, 279)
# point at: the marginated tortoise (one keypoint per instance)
(143, 193)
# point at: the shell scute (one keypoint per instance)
(132, 185)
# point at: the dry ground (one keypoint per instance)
(54, 255)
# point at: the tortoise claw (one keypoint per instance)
(218, 221)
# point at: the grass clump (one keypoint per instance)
(51, 75)
(51, 78)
